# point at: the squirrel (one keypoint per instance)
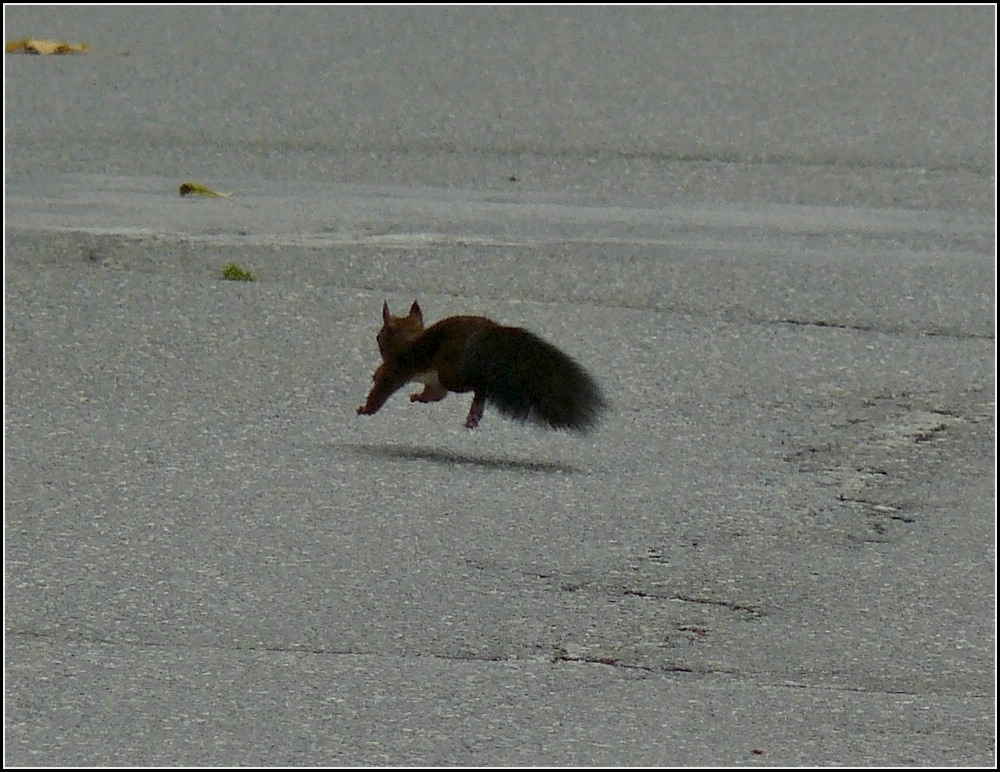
(523, 376)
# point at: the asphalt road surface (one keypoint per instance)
(769, 234)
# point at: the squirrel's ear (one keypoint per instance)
(415, 311)
(386, 316)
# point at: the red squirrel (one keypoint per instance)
(523, 376)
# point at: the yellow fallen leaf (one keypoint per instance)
(194, 189)
(39, 46)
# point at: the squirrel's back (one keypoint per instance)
(529, 379)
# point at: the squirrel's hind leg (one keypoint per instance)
(476, 410)
(433, 392)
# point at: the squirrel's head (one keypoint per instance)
(397, 331)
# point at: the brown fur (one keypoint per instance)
(524, 376)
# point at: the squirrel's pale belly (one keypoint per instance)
(428, 378)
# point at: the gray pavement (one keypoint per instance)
(770, 234)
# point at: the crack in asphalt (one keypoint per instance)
(934, 332)
(751, 611)
(559, 656)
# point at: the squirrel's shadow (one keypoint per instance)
(444, 457)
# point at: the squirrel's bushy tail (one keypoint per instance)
(529, 379)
